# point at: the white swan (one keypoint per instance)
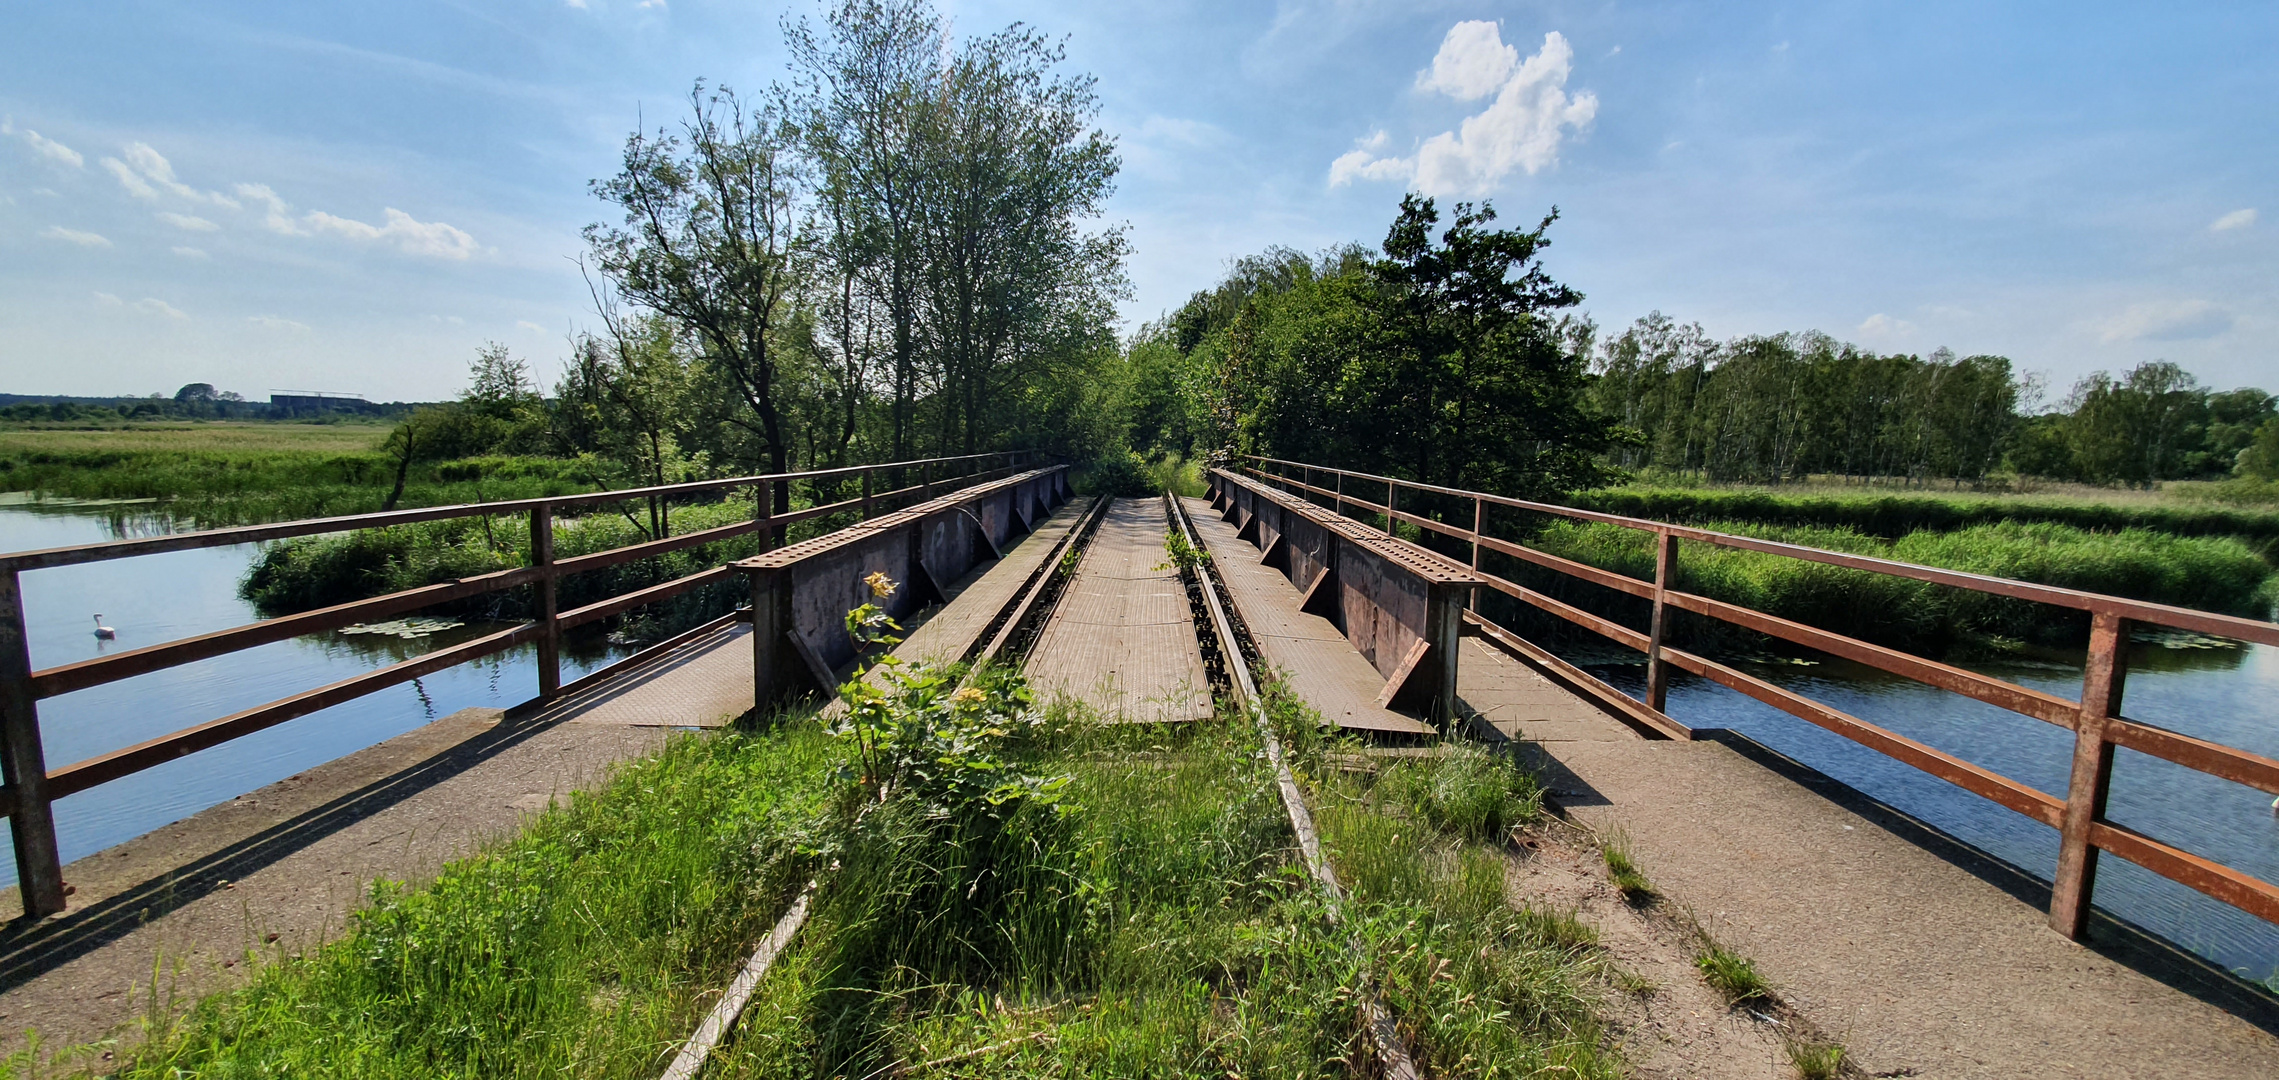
(102, 631)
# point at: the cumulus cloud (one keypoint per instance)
(151, 305)
(1473, 62)
(190, 222)
(75, 236)
(1880, 325)
(2237, 219)
(530, 326)
(191, 253)
(2167, 320)
(1522, 128)
(42, 145)
(399, 229)
(275, 322)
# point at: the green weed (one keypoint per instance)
(1814, 1060)
(1622, 869)
(1464, 790)
(1733, 975)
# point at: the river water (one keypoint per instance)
(158, 598)
(2225, 693)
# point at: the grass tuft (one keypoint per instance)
(1734, 976)
(1815, 1060)
(1464, 790)
(1622, 869)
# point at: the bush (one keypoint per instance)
(1123, 475)
(1464, 791)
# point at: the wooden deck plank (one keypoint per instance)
(1122, 638)
(1313, 655)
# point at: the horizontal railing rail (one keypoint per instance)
(2095, 718)
(30, 788)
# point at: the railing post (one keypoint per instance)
(925, 481)
(1658, 669)
(2102, 677)
(1390, 491)
(866, 495)
(23, 763)
(1478, 505)
(549, 603)
(1340, 496)
(766, 514)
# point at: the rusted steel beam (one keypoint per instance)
(624, 602)
(801, 593)
(2249, 894)
(23, 762)
(1658, 671)
(1972, 778)
(549, 603)
(2228, 626)
(120, 549)
(79, 776)
(2018, 699)
(2102, 680)
(2215, 759)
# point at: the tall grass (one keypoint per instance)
(1891, 516)
(2209, 573)
(232, 474)
(582, 947)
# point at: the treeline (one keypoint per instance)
(887, 255)
(1447, 358)
(196, 401)
(1776, 408)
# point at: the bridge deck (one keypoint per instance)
(1320, 665)
(947, 632)
(1122, 637)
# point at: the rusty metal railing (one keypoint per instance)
(30, 789)
(2095, 719)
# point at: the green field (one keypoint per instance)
(241, 473)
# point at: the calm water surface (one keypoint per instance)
(2228, 695)
(158, 598)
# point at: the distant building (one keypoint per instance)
(314, 402)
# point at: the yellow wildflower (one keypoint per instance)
(968, 696)
(881, 586)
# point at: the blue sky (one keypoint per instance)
(355, 197)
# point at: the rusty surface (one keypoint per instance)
(2102, 679)
(2095, 719)
(120, 549)
(2229, 626)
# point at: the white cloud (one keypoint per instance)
(1880, 325)
(196, 254)
(652, 3)
(401, 230)
(2167, 320)
(146, 172)
(1522, 128)
(44, 146)
(2237, 219)
(187, 221)
(578, 4)
(74, 236)
(530, 326)
(1472, 63)
(275, 322)
(151, 305)
(108, 299)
